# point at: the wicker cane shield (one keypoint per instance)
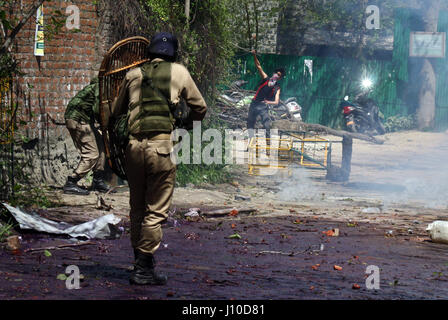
(123, 56)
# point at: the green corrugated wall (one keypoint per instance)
(333, 78)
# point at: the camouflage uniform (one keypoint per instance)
(80, 116)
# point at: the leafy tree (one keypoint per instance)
(251, 20)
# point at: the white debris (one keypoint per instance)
(371, 210)
(193, 212)
(101, 228)
(438, 231)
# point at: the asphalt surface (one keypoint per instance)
(242, 257)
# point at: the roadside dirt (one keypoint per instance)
(404, 182)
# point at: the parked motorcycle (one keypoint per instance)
(292, 108)
(362, 115)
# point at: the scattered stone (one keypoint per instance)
(356, 286)
(338, 268)
(243, 198)
(226, 212)
(13, 243)
(371, 210)
(193, 212)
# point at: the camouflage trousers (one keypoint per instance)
(89, 143)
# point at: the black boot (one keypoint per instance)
(98, 182)
(132, 268)
(71, 187)
(144, 273)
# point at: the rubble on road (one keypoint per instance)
(193, 212)
(13, 242)
(243, 198)
(228, 212)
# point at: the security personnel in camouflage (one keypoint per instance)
(146, 94)
(80, 116)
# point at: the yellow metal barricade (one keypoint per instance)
(311, 151)
(268, 155)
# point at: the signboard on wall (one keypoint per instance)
(39, 36)
(427, 44)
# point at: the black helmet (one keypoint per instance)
(163, 44)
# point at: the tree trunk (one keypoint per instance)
(427, 93)
(427, 97)
(187, 11)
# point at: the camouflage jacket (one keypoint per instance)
(84, 107)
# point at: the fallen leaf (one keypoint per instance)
(312, 288)
(337, 268)
(233, 213)
(292, 211)
(62, 277)
(233, 226)
(329, 233)
(315, 267)
(356, 286)
(47, 253)
(297, 221)
(235, 236)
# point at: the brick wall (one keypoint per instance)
(70, 61)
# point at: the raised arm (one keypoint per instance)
(263, 74)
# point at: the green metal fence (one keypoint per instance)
(320, 89)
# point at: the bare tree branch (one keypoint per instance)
(10, 38)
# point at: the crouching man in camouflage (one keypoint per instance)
(80, 116)
(147, 94)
